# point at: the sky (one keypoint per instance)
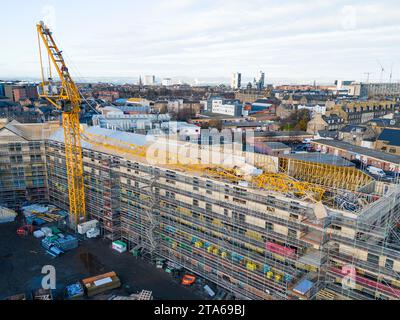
(208, 40)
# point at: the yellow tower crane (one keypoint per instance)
(65, 97)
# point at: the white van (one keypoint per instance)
(376, 171)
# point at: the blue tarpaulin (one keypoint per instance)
(303, 287)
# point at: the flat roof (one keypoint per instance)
(360, 150)
(392, 136)
(276, 145)
(283, 134)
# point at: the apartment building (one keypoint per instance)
(359, 112)
(23, 174)
(227, 107)
(259, 238)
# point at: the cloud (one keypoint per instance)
(334, 38)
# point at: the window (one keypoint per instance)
(239, 201)
(38, 183)
(170, 195)
(292, 233)
(294, 216)
(19, 183)
(18, 171)
(34, 146)
(36, 158)
(195, 202)
(389, 264)
(13, 147)
(373, 258)
(208, 207)
(226, 212)
(269, 226)
(16, 159)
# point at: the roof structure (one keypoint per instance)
(29, 131)
(360, 150)
(392, 136)
(353, 128)
(276, 145)
(322, 158)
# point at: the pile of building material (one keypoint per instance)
(21, 296)
(120, 246)
(67, 243)
(37, 214)
(101, 283)
(38, 234)
(46, 231)
(7, 215)
(144, 295)
(93, 233)
(74, 291)
(89, 228)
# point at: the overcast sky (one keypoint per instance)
(208, 39)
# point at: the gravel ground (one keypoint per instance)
(22, 259)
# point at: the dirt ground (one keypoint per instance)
(22, 259)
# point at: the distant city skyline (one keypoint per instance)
(209, 40)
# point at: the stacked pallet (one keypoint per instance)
(101, 283)
(7, 215)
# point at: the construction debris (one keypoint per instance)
(74, 291)
(101, 283)
(36, 214)
(7, 215)
(86, 226)
(144, 295)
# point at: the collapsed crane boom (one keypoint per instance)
(65, 97)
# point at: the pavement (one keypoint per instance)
(22, 259)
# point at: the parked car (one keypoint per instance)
(391, 176)
(376, 171)
(188, 280)
(25, 230)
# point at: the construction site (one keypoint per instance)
(258, 226)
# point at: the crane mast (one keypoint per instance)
(65, 97)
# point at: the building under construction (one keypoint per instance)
(261, 227)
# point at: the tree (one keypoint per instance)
(297, 121)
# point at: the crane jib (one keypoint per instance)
(66, 97)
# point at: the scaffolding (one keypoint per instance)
(23, 174)
(258, 241)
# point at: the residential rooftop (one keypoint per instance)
(360, 150)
